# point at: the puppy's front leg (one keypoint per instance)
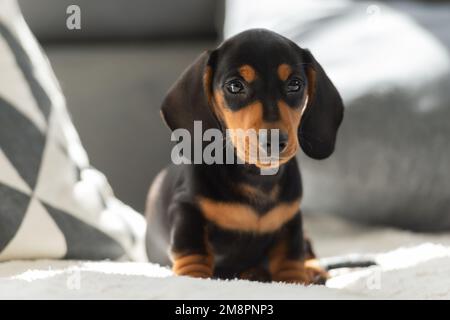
(190, 253)
(292, 259)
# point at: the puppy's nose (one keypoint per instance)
(265, 141)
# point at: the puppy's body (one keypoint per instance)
(237, 247)
(228, 220)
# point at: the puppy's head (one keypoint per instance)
(259, 80)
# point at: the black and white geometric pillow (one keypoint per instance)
(52, 203)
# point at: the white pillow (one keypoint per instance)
(52, 203)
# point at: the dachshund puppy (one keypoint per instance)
(228, 220)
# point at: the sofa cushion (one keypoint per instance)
(52, 203)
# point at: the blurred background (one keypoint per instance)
(115, 71)
(389, 60)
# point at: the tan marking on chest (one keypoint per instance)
(241, 217)
(251, 192)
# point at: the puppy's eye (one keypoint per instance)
(294, 85)
(235, 86)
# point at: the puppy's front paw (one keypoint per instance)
(316, 273)
(194, 265)
(301, 272)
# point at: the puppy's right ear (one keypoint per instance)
(189, 99)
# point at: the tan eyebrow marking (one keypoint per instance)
(284, 71)
(247, 72)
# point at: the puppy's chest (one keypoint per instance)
(233, 249)
(249, 209)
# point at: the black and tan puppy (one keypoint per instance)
(228, 220)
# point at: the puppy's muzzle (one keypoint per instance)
(271, 142)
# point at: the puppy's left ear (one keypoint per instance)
(323, 113)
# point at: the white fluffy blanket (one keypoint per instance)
(410, 266)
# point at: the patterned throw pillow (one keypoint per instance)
(52, 203)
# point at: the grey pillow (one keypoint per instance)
(52, 203)
(393, 150)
